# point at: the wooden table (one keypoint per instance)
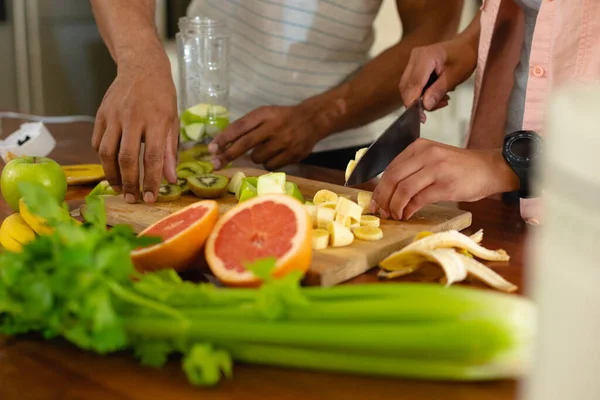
(34, 369)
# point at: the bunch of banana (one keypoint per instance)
(21, 228)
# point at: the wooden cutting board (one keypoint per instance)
(330, 266)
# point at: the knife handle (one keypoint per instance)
(432, 78)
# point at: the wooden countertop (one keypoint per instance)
(31, 368)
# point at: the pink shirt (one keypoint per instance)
(565, 47)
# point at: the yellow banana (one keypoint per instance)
(83, 173)
(38, 224)
(15, 232)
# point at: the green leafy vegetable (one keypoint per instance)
(79, 283)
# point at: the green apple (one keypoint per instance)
(292, 190)
(273, 182)
(41, 170)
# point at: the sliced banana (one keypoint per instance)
(364, 201)
(368, 233)
(370, 220)
(360, 153)
(312, 211)
(339, 235)
(325, 196)
(344, 220)
(350, 168)
(348, 208)
(235, 182)
(325, 216)
(329, 204)
(320, 239)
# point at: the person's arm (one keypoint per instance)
(373, 92)
(281, 135)
(141, 105)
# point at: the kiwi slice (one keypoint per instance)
(207, 165)
(208, 186)
(189, 168)
(196, 153)
(183, 185)
(168, 192)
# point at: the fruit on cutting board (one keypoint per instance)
(352, 163)
(82, 174)
(368, 233)
(272, 225)
(168, 192)
(247, 190)
(190, 168)
(370, 220)
(364, 200)
(291, 189)
(271, 183)
(103, 189)
(325, 196)
(339, 235)
(208, 186)
(197, 153)
(42, 170)
(320, 239)
(183, 234)
(15, 232)
(235, 182)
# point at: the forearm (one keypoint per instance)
(373, 92)
(128, 30)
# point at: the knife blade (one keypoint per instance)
(394, 140)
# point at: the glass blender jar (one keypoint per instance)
(203, 49)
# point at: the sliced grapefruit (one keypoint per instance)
(183, 234)
(272, 225)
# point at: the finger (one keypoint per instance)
(265, 152)
(99, 129)
(429, 195)
(129, 156)
(436, 92)
(108, 150)
(170, 157)
(407, 189)
(243, 144)
(279, 161)
(424, 65)
(157, 144)
(393, 175)
(406, 77)
(235, 130)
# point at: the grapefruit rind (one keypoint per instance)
(298, 257)
(182, 249)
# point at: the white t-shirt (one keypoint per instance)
(284, 51)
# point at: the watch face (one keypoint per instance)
(524, 146)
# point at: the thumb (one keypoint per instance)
(436, 92)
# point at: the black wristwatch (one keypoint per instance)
(522, 150)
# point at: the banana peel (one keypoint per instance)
(82, 174)
(454, 252)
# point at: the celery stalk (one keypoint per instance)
(503, 366)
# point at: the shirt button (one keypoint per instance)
(538, 71)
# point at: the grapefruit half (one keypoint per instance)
(184, 234)
(272, 225)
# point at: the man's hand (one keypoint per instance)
(140, 106)
(428, 172)
(453, 61)
(277, 136)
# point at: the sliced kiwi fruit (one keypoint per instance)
(208, 166)
(183, 185)
(208, 186)
(168, 192)
(189, 168)
(196, 153)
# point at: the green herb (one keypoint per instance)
(79, 283)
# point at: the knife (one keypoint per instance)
(393, 141)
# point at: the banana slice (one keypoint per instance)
(344, 220)
(368, 233)
(329, 204)
(325, 216)
(325, 196)
(235, 182)
(364, 201)
(320, 239)
(370, 220)
(348, 208)
(350, 168)
(360, 153)
(312, 211)
(339, 235)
